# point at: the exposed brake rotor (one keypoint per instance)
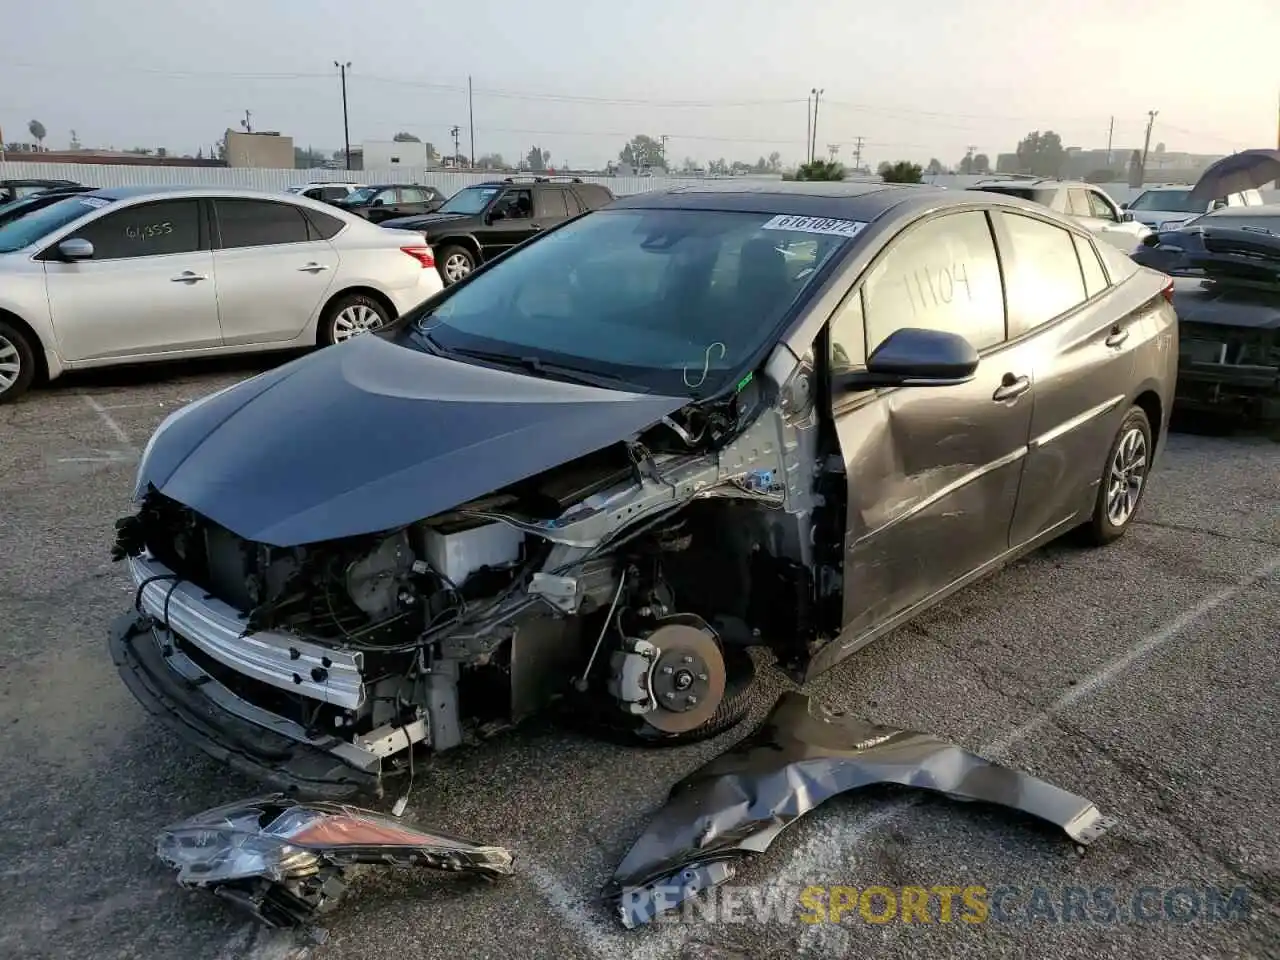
(687, 679)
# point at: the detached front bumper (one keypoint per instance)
(184, 697)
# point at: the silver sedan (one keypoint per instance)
(131, 274)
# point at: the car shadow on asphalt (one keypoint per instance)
(148, 374)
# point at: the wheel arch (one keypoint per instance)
(37, 345)
(357, 290)
(459, 240)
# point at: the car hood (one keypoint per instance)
(370, 435)
(426, 220)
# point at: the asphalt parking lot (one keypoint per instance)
(1143, 676)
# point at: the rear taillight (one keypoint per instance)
(1167, 292)
(422, 254)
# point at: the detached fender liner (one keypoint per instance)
(736, 805)
(299, 769)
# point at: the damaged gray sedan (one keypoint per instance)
(792, 415)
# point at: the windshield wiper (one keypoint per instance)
(537, 366)
(540, 367)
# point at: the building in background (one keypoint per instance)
(269, 150)
(389, 154)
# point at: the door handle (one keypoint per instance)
(187, 276)
(1011, 387)
(535, 227)
(313, 268)
(1117, 337)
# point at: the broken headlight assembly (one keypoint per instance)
(286, 861)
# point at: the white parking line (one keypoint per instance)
(108, 419)
(832, 847)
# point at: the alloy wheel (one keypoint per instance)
(10, 363)
(1126, 477)
(354, 320)
(456, 266)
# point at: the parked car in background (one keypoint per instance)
(1226, 266)
(139, 273)
(387, 201)
(1085, 203)
(1165, 207)
(482, 221)
(36, 201)
(328, 191)
(623, 452)
(11, 190)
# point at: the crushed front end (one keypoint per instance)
(632, 576)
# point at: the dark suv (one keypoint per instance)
(386, 201)
(482, 221)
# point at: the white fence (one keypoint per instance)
(115, 175)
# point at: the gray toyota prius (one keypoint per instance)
(600, 468)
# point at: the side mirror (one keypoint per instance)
(1126, 217)
(378, 202)
(914, 357)
(75, 249)
(1217, 205)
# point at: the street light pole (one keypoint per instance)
(346, 130)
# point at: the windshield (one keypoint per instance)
(1169, 201)
(25, 230)
(469, 200)
(665, 301)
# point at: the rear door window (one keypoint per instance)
(1095, 278)
(941, 275)
(550, 203)
(259, 223)
(1042, 273)
(158, 229)
(1078, 204)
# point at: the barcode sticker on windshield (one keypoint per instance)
(95, 202)
(835, 228)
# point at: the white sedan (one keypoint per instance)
(134, 274)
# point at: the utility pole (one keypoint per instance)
(471, 121)
(813, 135)
(1110, 133)
(247, 122)
(662, 149)
(832, 150)
(808, 125)
(857, 154)
(1146, 144)
(454, 131)
(968, 157)
(346, 129)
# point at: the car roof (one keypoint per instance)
(845, 199)
(1262, 210)
(169, 190)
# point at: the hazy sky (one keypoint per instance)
(722, 78)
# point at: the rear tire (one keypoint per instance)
(351, 315)
(1124, 480)
(456, 263)
(17, 362)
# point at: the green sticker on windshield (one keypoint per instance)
(742, 384)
